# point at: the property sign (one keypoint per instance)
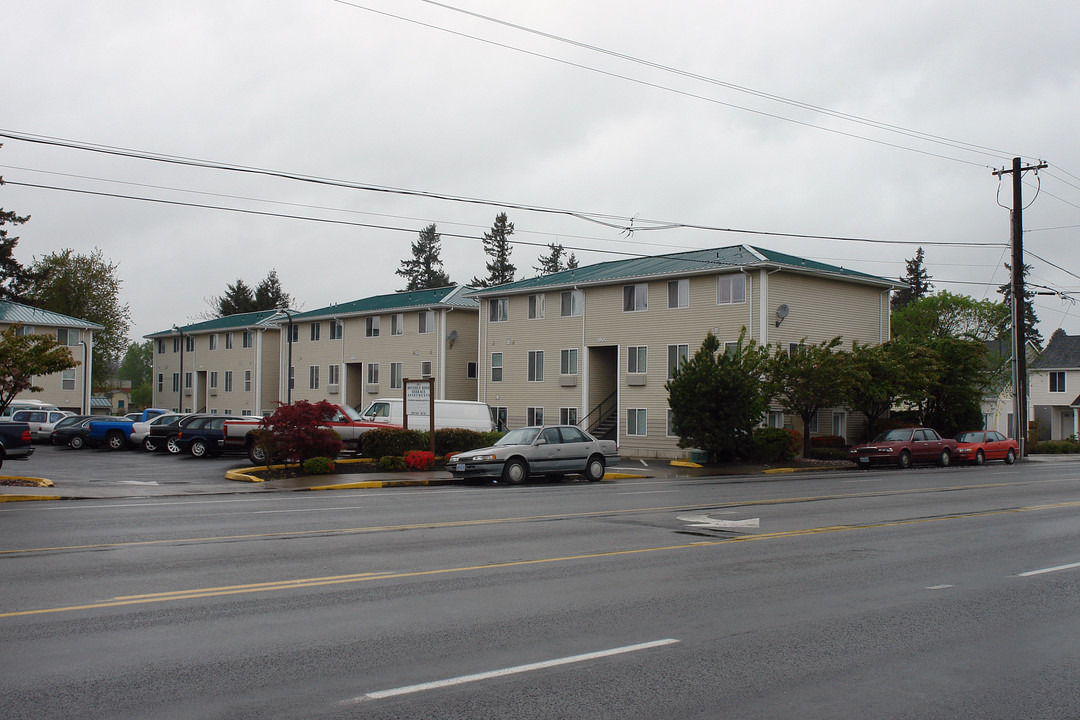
(419, 402)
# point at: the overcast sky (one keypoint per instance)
(414, 96)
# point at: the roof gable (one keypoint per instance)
(12, 312)
(239, 321)
(450, 296)
(1062, 352)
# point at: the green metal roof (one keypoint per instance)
(12, 312)
(693, 262)
(452, 296)
(239, 321)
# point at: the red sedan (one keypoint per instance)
(978, 446)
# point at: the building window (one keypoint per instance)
(247, 381)
(176, 344)
(839, 423)
(229, 340)
(568, 362)
(678, 293)
(568, 416)
(67, 336)
(176, 382)
(1057, 381)
(498, 414)
(67, 379)
(637, 359)
(470, 371)
(635, 421)
(731, 289)
(572, 300)
(534, 416)
(371, 326)
(496, 367)
(373, 373)
(731, 347)
(670, 430)
(228, 382)
(498, 309)
(213, 341)
(292, 378)
(245, 339)
(395, 375)
(776, 419)
(676, 356)
(244, 413)
(397, 324)
(213, 378)
(313, 377)
(226, 411)
(636, 297)
(161, 346)
(425, 322)
(189, 343)
(21, 330)
(333, 375)
(812, 427)
(536, 366)
(187, 380)
(536, 307)
(425, 369)
(161, 382)
(316, 330)
(337, 329)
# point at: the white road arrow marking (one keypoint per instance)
(709, 523)
(138, 482)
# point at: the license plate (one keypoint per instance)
(461, 467)
(864, 459)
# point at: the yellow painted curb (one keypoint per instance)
(684, 463)
(39, 482)
(243, 474)
(774, 471)
(368, 484)
(623, 476)
(15, 498)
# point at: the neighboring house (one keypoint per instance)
(100, 405)
(70, 389)
(119, 400)
(227, 365)
(353, 352)
(998, 408)
(1054, 389)
(595, 345)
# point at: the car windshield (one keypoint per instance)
(350, 412)
(521, 436)
(971, 437)
(898, 435)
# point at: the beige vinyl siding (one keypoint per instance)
(268, 377)
(458, 386)
(52, 385)
(305, 353)
(820, 309)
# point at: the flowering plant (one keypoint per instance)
(419, 459)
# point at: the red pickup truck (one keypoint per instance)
(904, 446)
(345, 421)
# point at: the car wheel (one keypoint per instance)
(171, 446)
(76, 442)
(257, 454)
(514, 472)
(149, 445)
(1010, 458)
(980, 458)
(904, 461)
(198, 448)
(115, 440)
(594, 470)
(944, 459)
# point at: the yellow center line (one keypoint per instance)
(520, 519)
(366, 577)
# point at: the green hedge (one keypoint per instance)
(771, 444)
(828, 453)
(1055, 447)
(381, 442)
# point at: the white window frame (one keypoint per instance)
(396, 375)
(397, 324)
(425, 322)
(213, 341)
(246, 339)
(425, 368)
(681, 290)
(371, 326)
(498, 310)
(638, 426)
(534, 416)
(67, 379)
(316, 331)
(637, 359)
(568, 361)
(636, 297)
(496, 366)
(731, 289)
(247, 381)
(839, 423)
(570, 303)
(536, 306)
(536, 366)
(333, 374)
(229, 341)
(373, 373)
(568, 416)
(313, 377)
(337, 329)
(668, 430)
(1056, 381)
(213, 378)
(228, 382)
(674, 353)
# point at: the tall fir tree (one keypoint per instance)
(555, 261)
(12, 274)
(918, 282)
(425, 269)
(1031, 321)
(497, 246)
(238, 298)
(269, 295)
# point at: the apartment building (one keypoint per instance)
(353, 352)
(70, 389)
(595, 345)
(227, 365)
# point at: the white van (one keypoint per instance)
(41, 422)
(25, 405)
(448, 414)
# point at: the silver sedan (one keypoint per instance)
(547, 450)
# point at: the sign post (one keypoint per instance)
(418, 399)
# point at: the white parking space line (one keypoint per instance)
(1057, 568)
(462, 679)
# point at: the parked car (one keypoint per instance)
(546, 450)
(468, 414)
(978, 446)
(204, 436)
(140, 431)
(344, 420)
(60, 434)
(75, 434)
(113, 432)
(903, 447)
(15, 442)
(32, 404)
(163, 436)
(41, 422)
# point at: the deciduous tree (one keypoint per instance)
(22, 357)
(806, 379)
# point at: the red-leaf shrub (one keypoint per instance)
(294, 432)
(828, 441)
(419, 460)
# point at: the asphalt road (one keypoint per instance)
(918, 594)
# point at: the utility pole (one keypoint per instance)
(1019, 336)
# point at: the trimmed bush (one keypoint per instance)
(828, 441)
(828, 453)
(318, 466)
(771, 444)
(381, 442)
(457, 440)
(391, 463)
(1055, 447)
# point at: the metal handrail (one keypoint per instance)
(600, 412)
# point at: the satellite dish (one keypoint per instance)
(781, 313)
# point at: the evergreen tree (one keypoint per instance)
(918, 282)
(12, 273)
(424, 269)
(555, 261)
(269, 295)
(1031, 321)
(497, 246)
(238, 298)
